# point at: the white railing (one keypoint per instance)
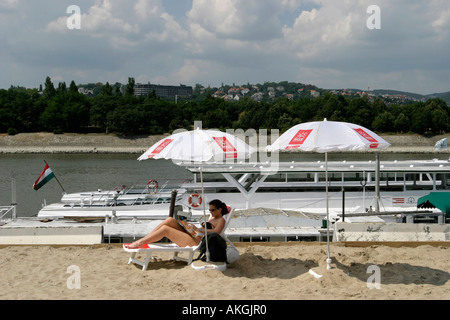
(4, 210)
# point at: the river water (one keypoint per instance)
(88, 172)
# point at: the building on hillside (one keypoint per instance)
(257, 96)
(162, 91)
(233, 91)
(314, 93)
(218, 94)
(244, 90)
(85, 91)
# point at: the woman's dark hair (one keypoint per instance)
(219, 204)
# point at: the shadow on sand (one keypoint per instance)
(395, 273)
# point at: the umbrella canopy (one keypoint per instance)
(441, 144)
(199, 146)
(327, 136)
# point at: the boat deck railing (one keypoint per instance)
(4, 210)
(409, 215)
(135, 194)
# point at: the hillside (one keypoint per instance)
(291, 88)
(444, 96)
(416, 96)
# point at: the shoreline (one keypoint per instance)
(49, 143)
(138, 150)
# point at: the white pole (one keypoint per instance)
(13, 197)
(364, 191)
(377, 183)
(328, 212)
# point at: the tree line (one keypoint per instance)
(63, 109)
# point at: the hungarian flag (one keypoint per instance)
(45, 177)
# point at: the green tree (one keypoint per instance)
(284, 122)
(73, 87)
(420, 118)
(102, 105)
(384, 122)
(107, 90)
(117, 91)
(402, 123)
(126, 119)
(74, 117)
(129, 89)
(439, 120)
(51, 118)
(61, 87)
(438, 115)
(49, 90)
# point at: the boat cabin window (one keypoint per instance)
(443, 181)
(422, 181)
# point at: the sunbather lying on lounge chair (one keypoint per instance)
(172, 230)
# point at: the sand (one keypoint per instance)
(273, 271)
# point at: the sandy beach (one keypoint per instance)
(271, 271)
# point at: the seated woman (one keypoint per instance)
(171, 229)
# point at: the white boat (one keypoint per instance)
(122, 195)
(139, 200)
(295, 186)
(300, 186)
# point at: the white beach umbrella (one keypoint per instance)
(327, 136)
(199, 146)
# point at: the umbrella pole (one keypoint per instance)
(377, 182)
(204, 214)
(328, 212)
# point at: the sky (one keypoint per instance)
(332, 44)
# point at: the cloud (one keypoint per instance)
(102, 19)
(318, 33)
(323, 42)
(189, 72)
(9, 4)
(333, 39)
(250, 20)
(147, 9)
(171, 31)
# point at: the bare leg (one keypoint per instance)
(170, 229)
(171, 222)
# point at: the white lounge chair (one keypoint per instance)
(149, 249)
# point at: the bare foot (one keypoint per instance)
(135, 245)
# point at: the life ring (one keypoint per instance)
(152, 184)
(195, 204)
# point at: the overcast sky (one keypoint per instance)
(322, 42)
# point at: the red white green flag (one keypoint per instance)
(45, 177)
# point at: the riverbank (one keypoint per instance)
(44, 142)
